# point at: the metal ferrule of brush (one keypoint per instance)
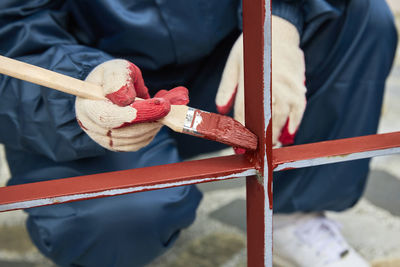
(192, 120)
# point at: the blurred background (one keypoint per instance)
(218, 236)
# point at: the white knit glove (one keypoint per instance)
(288, 77)
(120, 123)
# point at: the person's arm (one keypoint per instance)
(288, 75)
(34, 118)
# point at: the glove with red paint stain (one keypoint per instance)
(288, 76)
(120, 123)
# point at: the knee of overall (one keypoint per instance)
(127, 230)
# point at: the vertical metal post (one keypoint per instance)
(257, 73)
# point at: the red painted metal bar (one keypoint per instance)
(257, 60)
(336, 151)
(123, 182)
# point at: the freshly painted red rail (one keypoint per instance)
(123, 182)
(320, 153)
(257, 80)
(192, 172)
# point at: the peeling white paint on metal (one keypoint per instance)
(267, 117)
(335, 159)
(113, 192)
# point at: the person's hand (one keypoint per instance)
(288, 77)
(121, 123)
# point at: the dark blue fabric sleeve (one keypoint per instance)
(240, 15)
(34, 118)
(307, 15)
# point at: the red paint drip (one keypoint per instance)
(81, 125)
(226, 130)
(111, 141)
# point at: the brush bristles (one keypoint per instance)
(240, 138)
(222, 129)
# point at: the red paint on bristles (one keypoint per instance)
(226, 130)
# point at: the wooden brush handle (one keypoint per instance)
(51, 79)
(34, 74)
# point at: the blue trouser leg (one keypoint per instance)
(347, 63)
(127, 230)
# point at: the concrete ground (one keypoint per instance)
(217, 238)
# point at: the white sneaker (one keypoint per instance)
(311, 241)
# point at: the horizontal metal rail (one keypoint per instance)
(192, 172)
(300, 156)
(123, 182)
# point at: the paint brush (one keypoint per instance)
(181, 118)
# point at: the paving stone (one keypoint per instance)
(395, 72)
(242, 263)
(15, 264)
(386, 263)
(210, 251)
(383, 190)
(13, 218)
(15, 238)
(239, 260)
(234, 213)
(4, 263)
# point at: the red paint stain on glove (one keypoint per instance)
(138, 82)
(134, 87)
(149, 110)
(287, 138)
(177, 96)
(124, 96)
